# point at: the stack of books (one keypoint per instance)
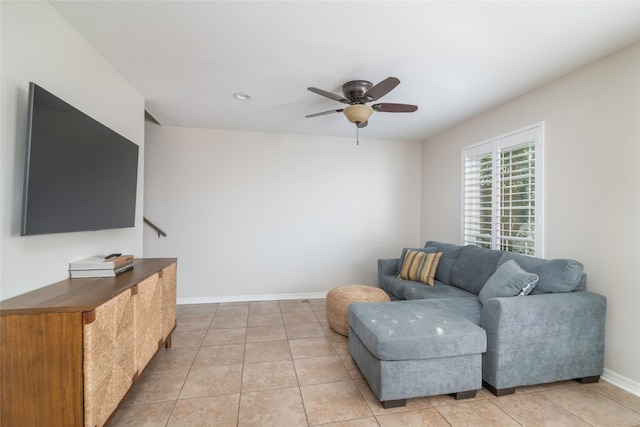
(101, 266)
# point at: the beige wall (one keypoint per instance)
(39, 46)
(592, 186)
(254, 215)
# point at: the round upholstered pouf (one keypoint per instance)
(338, 300)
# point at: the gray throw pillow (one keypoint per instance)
(429, 250)
(509, 280)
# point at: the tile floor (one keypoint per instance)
(277, 363)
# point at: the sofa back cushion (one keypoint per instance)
(450, 253)
(555, 275)
(473, 268)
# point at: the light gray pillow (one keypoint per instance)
(509, 280)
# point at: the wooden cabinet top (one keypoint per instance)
(82, 294)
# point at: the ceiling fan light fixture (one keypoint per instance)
(358, 113)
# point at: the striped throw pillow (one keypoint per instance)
(420, 266)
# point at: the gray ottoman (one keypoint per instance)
(407, 350)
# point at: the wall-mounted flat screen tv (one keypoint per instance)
(79, 174)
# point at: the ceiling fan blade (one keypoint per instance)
(328, 95)
(381, 89)
(395, 108)
(325, 112)
(361, 125)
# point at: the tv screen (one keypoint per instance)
(79, 174)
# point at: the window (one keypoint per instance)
(502, 193)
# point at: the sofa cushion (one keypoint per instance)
(408, 330)
(450, 253)
(417, 291)
(509, 280)
(419, 266)
(473, 268)
(556, 275)
(429, 249)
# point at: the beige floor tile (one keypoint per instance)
(304, 330)
(332, 335)
(295, 305)
(146, 415)
(219, 355)
(266, 333)
(269, 319)
(317, 370)
(193, 324)
(333, 402)
(212, 381)
(157, 387)
(352, 367)
(229, 321)
(277, 408)
(296, 317)
(311, 347)
(233, 309)
(268, 376)
(420, 418)
(225, 336)
(268, 351)
(616, 394)
(181, 339)
(206, 411)
(321, 315)
(173, 359)
(264, 307)
(533, 410)
(202, 310)
(478, 413)
(341, 347)
(318, 304)
(593, 407)
(358, 422)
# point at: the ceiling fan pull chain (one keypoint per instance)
(357, 135)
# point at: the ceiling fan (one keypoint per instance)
(357, 93)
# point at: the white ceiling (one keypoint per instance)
(454, 59)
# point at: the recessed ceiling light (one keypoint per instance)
(241, 96)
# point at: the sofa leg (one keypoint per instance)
(470, 394)
(394, 403)
(498, 391)
(589, 380)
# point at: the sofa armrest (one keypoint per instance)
(388, 266)
(543, 338)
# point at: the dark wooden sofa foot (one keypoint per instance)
(394, 403)
(498, 391)
(589, 380)
(470, 394)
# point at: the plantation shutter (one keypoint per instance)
(502, 193)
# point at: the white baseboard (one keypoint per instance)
(621, 382)
(244, 298)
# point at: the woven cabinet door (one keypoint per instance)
(168, 283)
(148, 321)
(108, 358)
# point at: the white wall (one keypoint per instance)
(39, 46)
(592, 186)
(260, 216)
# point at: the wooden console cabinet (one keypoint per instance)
(69, 352)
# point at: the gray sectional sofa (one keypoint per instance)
(454, 336)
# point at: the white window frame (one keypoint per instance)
(470, 210)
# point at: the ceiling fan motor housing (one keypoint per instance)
(354, 90)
